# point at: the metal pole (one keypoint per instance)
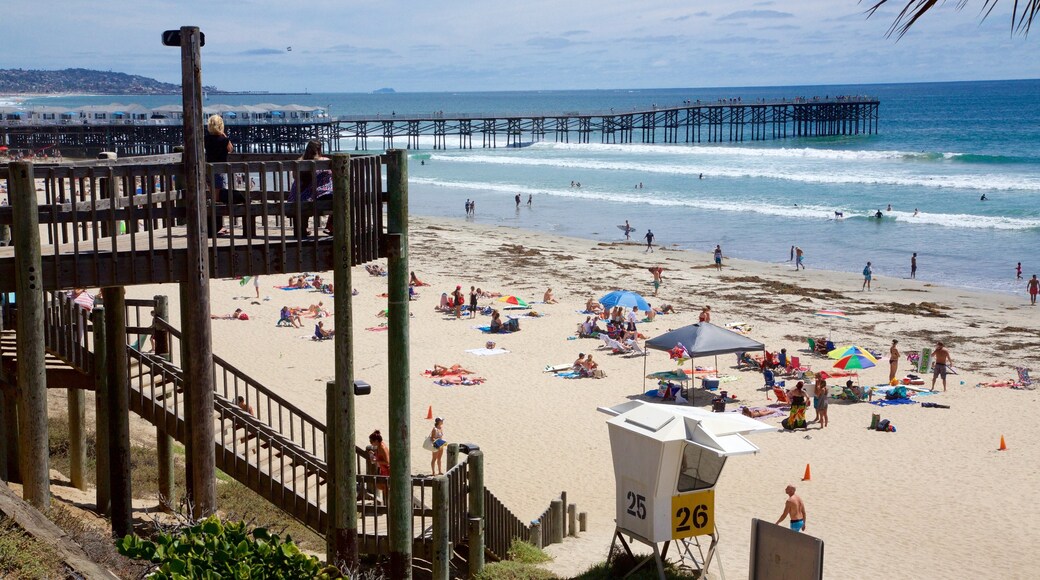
(32, 371)
(342, 439)
(400, 506)
(199, 371)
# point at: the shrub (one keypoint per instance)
(212, 547)
(21, 556)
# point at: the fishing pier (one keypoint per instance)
(285, 129)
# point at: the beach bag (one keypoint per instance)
(874, 420)
(598, 374)
(883, 425)
(427, 444)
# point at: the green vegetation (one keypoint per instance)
(97, 543)
(21, 556)
(215, 549)
(521, 564)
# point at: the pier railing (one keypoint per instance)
(118, 223)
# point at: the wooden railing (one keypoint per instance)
(280, 452)
(118, 223)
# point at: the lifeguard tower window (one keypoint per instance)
(700, 468)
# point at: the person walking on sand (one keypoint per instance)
(1033, 286)
(437, 443)
(794, 508)
(649, 242)
(867, 275)
(656, 272)
(943, 360)
(893, 361)
(799, 258)
(256, 285)
(913, 266)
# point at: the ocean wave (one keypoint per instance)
(813, 175)
(803, 211)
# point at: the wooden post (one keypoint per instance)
(582, 521)
(5, 427)
(476, 512)
(400, 505)
(342, 549)
(441, 543)
(163, 440)
(32, 371)
(12, 471)
(556, 533)
(104, 490)
(199, 372)
(572, 520)
(536, 534)
(453, 455)
(189, 485)
(77, 438)
(118, 410)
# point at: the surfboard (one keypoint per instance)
(626, 228)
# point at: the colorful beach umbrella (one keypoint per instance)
(624, 298)
(514, 300)
(844, 351)
(854, 361)
(832, 314)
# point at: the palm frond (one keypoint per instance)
(1022, 13)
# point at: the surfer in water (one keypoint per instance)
(983, 198)
(879, 215)
(838, 214)
(889, 207)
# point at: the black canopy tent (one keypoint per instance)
(702, 339)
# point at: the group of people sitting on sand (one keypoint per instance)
(586, 367)
(315, 282)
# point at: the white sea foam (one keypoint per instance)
(739, 151)
(846, 176)
(802, 211)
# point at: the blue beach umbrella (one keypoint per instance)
(624, 298)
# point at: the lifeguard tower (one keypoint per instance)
(667, 460)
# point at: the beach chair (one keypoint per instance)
(781, 396)
(617, 347)
(634, 347)
(1023, 377)
(606, 340)
(796, 368)
(812, 345)
(769, 378)
(852, 395)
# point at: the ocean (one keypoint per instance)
(941, 147)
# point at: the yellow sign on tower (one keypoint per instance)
(693, 514)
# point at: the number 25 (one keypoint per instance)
(636, 507)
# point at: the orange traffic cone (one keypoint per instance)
(429, 412)
(1003, 446)
(808, 474)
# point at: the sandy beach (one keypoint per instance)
(933, 500)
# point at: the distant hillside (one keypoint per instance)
(80, 80)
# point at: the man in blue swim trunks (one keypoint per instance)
(795, 509)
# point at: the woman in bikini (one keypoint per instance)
(437, 434)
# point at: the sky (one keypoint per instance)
(350, 46)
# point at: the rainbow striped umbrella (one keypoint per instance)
(844, 351)
(514, 300)
(854, 361)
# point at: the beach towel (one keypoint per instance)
(487, 351)
(568, 375)
(377, 328)
(287, 288)
(890, 402)
(459, 381)
(454, 370)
